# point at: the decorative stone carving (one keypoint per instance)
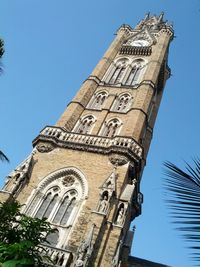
(68, 181)
(59, 137)
(44, 148)
(142, 35)
(134, 181)
(121, 212)
(153, 22)
(120, 216)
(85, 250)
(103, 204)
(118, 160)
(116, 259)
(107, 190)
(19, 177)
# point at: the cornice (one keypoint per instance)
(52, 136)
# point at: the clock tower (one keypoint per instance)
(84, 173)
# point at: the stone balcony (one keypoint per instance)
(59, 257)
(51, 137)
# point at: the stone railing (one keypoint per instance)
(134, 50)
(87, 142)
(59, 257)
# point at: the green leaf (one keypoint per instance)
(19, 263)
(183, 190)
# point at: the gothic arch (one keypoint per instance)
(78, 183)
(135, 72)
(85, 124)
(122, 103)
(61, 173)
(117, 70)
(98, 99)
(111, 127)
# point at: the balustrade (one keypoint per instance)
(100, 141)
(59, 257)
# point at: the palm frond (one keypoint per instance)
(184, 201)
(1, 54)
(3, 157)
(1, 48)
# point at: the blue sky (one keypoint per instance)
(51, 48)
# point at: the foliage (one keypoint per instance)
(21, 237)
(3, 157)
(1, 48)
(184, 188)
(1, 53)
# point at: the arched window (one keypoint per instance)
(122, 103)
(48, 203)
(65, 208)
(98, 100)
(59, 197)
(117, 75)
(135, 74)
(84, 125)
(117, 71)
(111, 128)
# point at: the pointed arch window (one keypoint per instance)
(48, 203)
(98, 100)
(133, 76)
(117, 71)
(111, 128)
(59, 197)
(122, 103)
(84, 125)
(135, 73)
(65, 208)
(59, 201)
(117, 75)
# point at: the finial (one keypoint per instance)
(160, 18)
(147, 16)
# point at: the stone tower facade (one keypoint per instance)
(84, 173)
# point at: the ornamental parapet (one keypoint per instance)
(59, 257)
(52, 136)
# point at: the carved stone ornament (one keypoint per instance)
(118, 160)
(68, 181)
(16, 180)
(116, 260)
(103, 204)
(85, 250)
(121, 214)
(44, 148)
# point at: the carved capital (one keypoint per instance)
(44, 147)
(118, 160)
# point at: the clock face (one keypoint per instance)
(139, 43)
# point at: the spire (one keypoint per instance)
(147, 16)
(160, 18)
(110, 183)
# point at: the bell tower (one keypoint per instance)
(84, 173)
